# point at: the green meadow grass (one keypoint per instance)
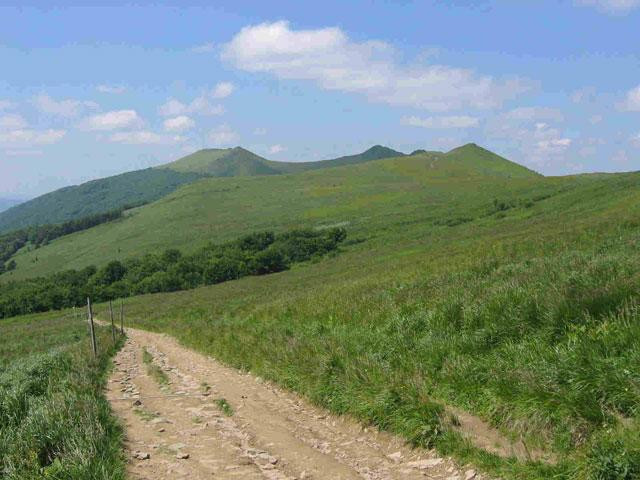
(473, 284)
(526, 317)
(54, 419)
(373, 199)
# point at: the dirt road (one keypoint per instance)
(195, 418)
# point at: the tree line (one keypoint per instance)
(255, 254)
(40, 235)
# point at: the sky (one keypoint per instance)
(93, 89)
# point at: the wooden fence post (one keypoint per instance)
(113, 327)
(122, 317)
(91, 330)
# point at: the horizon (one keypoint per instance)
(82, 101)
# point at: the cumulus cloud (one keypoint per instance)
(531, 131)
(611, 6)
(199, 106)
(329, 58)
(144, 137)
(23, 153)
(204, 48)
(632, 100)
(117, 89)
(31, 137)
(222, 135)
(12, 122)
(6, 105)
(276, 149)
(62, 108)
(114, 120)
(180, 123)
(222, 90)
(260, 131)
(453, 121)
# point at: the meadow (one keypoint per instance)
(525, 316)
(54, 419)
(466, 283)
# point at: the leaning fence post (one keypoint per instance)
(91, 330)
(113, 327)
(122, 317)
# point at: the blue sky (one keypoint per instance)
(89, 90)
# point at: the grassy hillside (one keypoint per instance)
(238, 162)
(6, 203)
(54, 420)
(97, 196)
(142, 186)
(468, 282)
(526, 316)
(369, 198)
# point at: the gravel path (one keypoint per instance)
(178, 427)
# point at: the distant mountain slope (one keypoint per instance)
(223, 162)
(471, 156)
(143, 186)
(7, 203)
(239, 162)
(381, 194)
(376, 152)
(96, 196)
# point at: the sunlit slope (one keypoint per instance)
(238, 162)
(96, 196)
(370, 198)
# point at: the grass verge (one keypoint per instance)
(54, 419)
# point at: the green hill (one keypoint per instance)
(97, 196)
(142, 186)
(471, 295)
(220, 209)
(6, 203)
(236, 162)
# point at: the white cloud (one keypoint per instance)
(584, 95)
(145, 137)
(632, 100)
(223, 135)
(204, 48)
(534, 113)
(595, 119)
(222, 90)
(611, 6)
(178, 124)
(114, 120)
(6, 104)
(454, 121)
(117, 89)
(260, 131)
(199, 106)
(31, 137)
(12, 121)
(276, 149)
(329, 58)
(23, 153)
(62, 108)
(528, 131)
(620, 157)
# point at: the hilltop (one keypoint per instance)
(237, 162)
(222, 208)
(470, 297)
(144, 186)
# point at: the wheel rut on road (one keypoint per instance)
(199, 419)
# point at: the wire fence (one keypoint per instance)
(115, 331)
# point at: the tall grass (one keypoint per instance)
(543, 347)
(54, 419)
